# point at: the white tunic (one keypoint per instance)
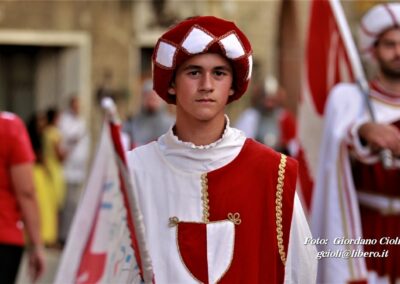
(166, 176)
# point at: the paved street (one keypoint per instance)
(52, 259)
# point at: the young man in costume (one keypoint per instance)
(217, 207)
(356, 198)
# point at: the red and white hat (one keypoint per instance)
(376, 21)
(199, 35)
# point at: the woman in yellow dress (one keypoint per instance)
(44, 188)
(53, 155)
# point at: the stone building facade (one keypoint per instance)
(50, 50)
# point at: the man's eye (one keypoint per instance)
(219, 73)
(389, 44)
(194, 73)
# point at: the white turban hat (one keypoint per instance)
(377, 20)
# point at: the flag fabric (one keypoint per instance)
(331, 58)
(326, 58)
(103, 245)
(326, 64)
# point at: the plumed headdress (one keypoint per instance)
(199, 35)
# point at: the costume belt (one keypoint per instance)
(384, 204)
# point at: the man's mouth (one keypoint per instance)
(396, 60)
(205, 100)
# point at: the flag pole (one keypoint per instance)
(135, 216)
(358, 71)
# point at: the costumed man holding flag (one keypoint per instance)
(356, 201)
(217, 207)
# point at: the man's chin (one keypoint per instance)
(392, 73)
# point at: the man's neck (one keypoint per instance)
(199, 132)
(73, 112)
(391, 85)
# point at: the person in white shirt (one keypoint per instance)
(75, 142)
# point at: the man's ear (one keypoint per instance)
(171, 91)
(374, 50)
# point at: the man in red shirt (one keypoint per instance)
(18, 206)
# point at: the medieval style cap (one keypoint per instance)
(376, 21)
(199, 35)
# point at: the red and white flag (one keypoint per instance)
(326, 64)
(331, 58)
(106, 241)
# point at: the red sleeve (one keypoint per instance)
(20, 147)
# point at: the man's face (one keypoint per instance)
(202, 87)
(151, 101)
(387, 53)
(75, 105)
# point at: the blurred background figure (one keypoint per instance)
(152, 121)
(105, 88)
(75, 144)
(266, 120)
(54, 155)
(357, 190)
(18, 205)
(44, 187)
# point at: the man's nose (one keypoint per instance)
(207, 82)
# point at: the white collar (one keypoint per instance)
(186, 156)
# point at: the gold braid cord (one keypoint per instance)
(204, 198)
(278, 207)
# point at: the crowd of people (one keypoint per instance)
(60, 142)
(234, 188)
